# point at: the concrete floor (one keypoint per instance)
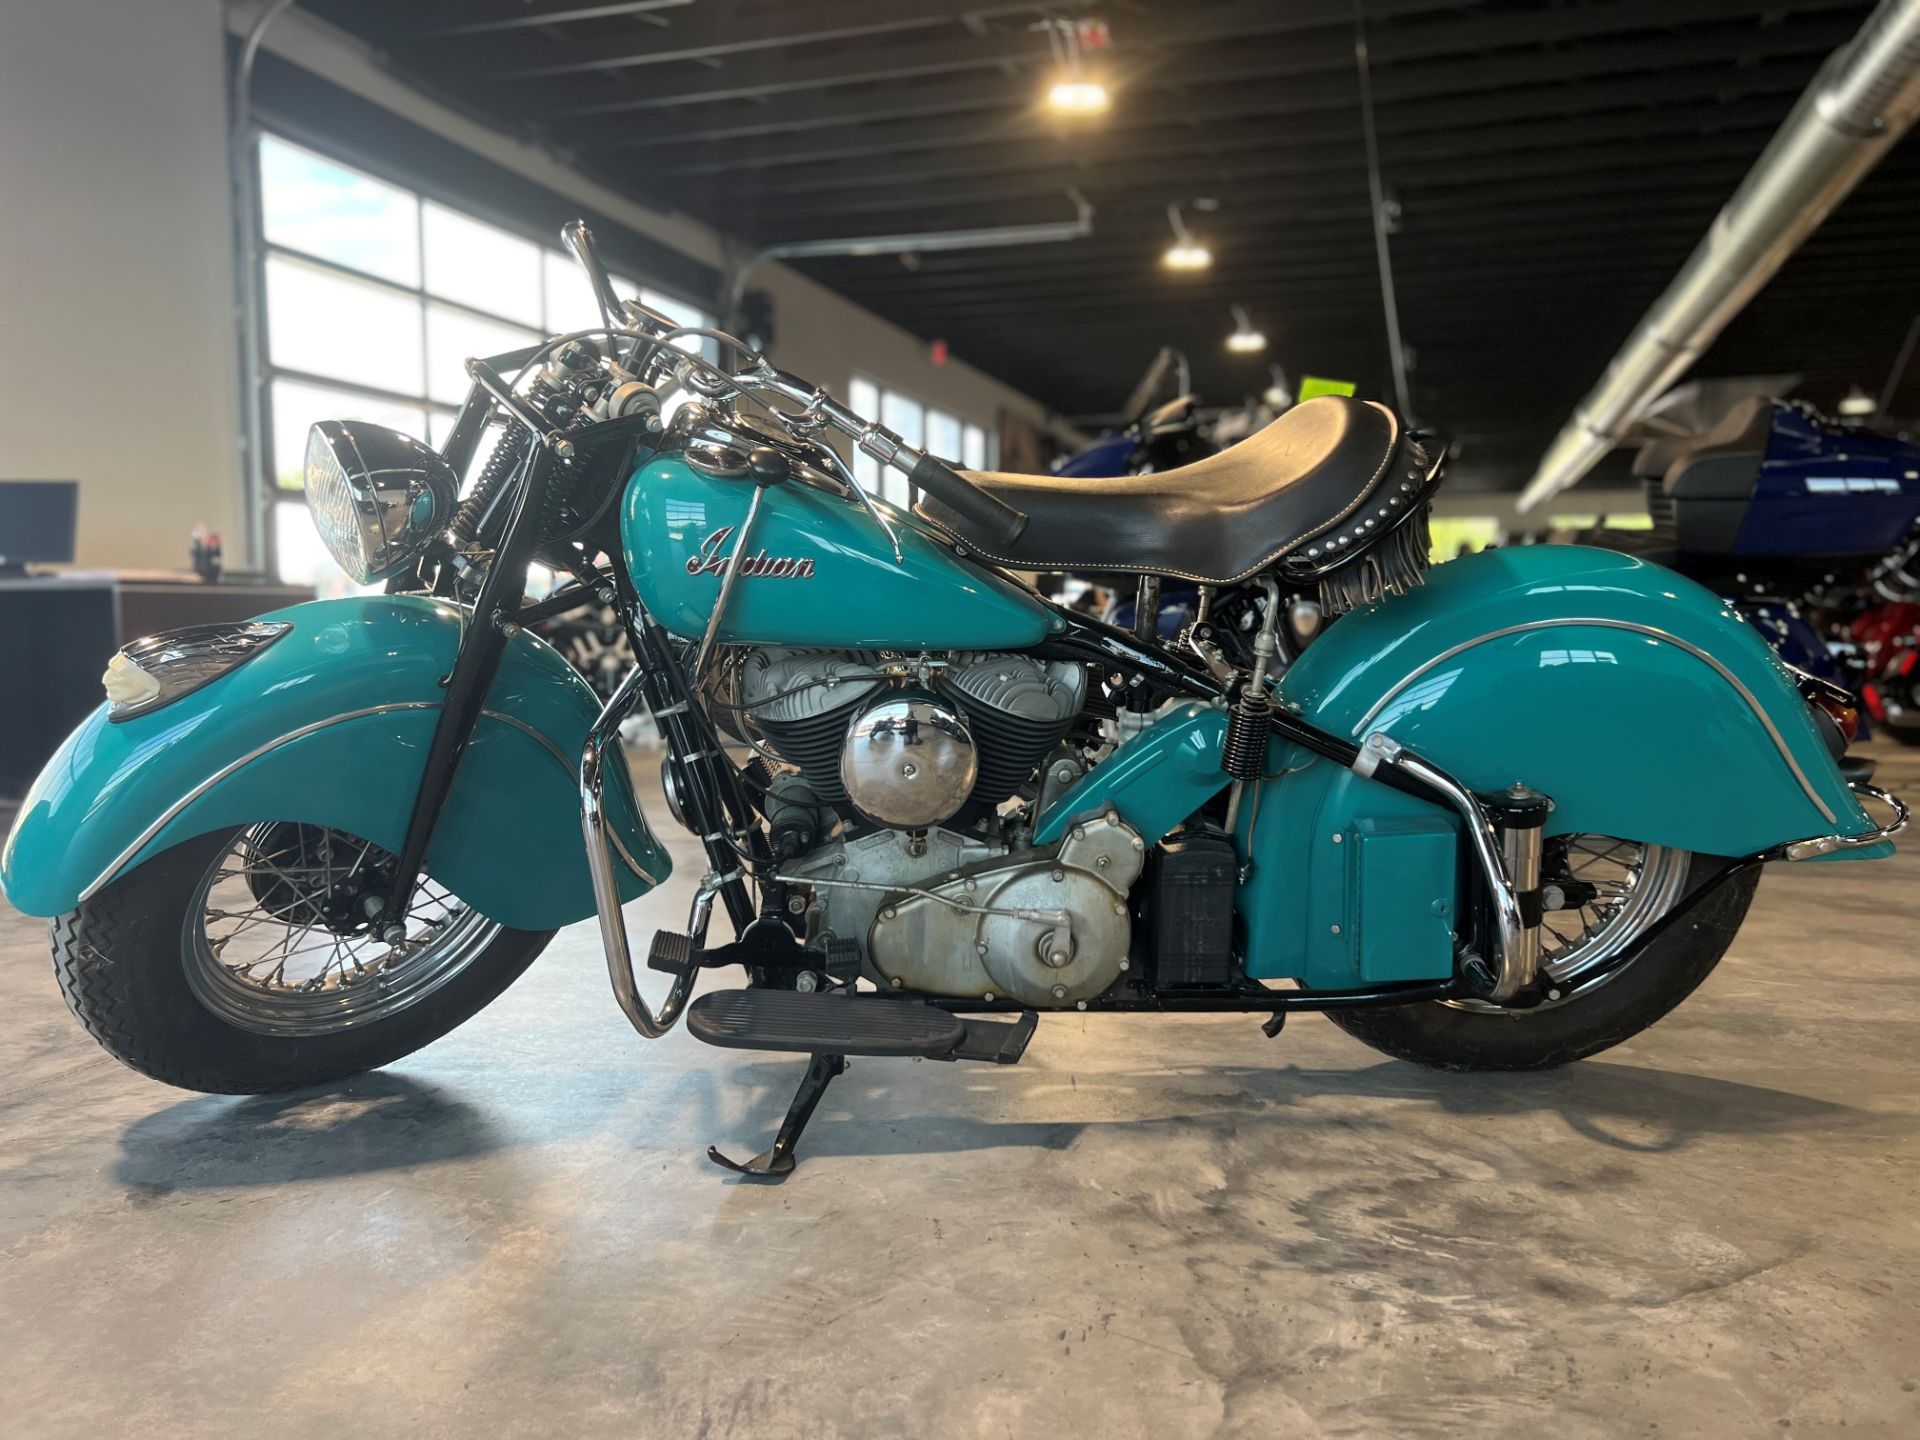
(1153, 1228)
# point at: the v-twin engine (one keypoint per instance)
(910, 742)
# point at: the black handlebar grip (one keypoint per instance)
(998, 521)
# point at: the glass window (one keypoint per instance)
(921, 426)
(388, 293)
(943, 436)
(482, 266)
(569, 298)
(453, 336)
(327, 324)
(863, 398)
(313, 205)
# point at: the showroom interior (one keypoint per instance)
(1318, 602)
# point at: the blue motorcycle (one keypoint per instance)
(290, 850)
(1770, 504)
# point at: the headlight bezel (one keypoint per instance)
(377, 496)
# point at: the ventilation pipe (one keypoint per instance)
(1864, 99)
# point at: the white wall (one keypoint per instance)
(115, 244)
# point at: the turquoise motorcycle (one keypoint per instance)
(1499, 816)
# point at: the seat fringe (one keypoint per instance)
(1392, 566)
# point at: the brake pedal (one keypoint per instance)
(672, 953)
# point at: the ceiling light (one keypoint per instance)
(1186, 253)
(1857, 402)
(1245, 340)
(1078, 97)
(1076, 91)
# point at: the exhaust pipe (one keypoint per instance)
(1864, 99)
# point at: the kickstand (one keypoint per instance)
(777, 1163)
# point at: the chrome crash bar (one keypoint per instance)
(606, 884)
(1510, 864)
(1819, 845)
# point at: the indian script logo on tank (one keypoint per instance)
(713, 560)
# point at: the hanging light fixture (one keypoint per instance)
(1245, 340)
(1186, 253)
(1074, 90)
(1856, 403)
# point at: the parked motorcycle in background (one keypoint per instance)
(1794, 517)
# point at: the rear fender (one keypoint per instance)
(330, 725)
(1641, 702)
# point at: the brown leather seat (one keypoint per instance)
(1297, 483)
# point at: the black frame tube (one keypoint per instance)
(466, 684)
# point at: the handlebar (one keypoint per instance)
(1000, 522)
(579, 242)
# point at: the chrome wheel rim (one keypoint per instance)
(1635, 886)
(277, 942)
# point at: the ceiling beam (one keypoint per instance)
(1186, 95)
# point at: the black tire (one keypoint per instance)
(1904, 737)
(121, 963)
(1446, 1037)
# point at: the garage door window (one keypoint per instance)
(375, 297)
(925, 427)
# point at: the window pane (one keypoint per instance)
(681, 313)
(440, 429)
(570, 302)
(863, 398)
(943, 435)
(906, 418)
(303, 558)
(481, 266)
(296, 407)
(973, 448)
(327, 324)
(338, 214)
(453, 336)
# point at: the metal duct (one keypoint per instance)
(1864, 99)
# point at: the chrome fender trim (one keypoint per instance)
(1753, 703)
(232, 767)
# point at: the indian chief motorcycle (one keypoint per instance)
(1501, 816)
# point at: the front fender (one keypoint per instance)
(1641, 702)
(330, 725)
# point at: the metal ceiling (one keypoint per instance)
(1553, 164)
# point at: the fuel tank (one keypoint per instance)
(817, 570)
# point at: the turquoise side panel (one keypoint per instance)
(1400, 898)
(1640, 702)
(1156, 780)
(1312, 909)
(508, 842)
(843, 589)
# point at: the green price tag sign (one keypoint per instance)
(1312, 387)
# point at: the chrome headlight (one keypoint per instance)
(161, 668)
(377, 496)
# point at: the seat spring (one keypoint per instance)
(1243, 751)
